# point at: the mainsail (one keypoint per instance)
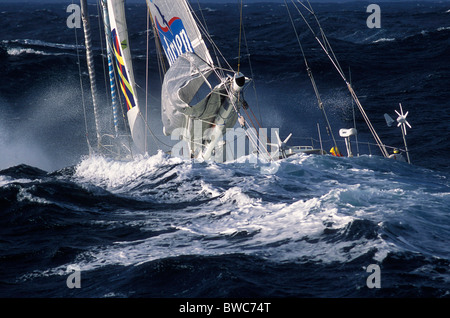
(121, 49)
(194, 104)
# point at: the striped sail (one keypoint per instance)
(124, 67)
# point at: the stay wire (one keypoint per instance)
(82, 91)
(313, 82)
(240, 37)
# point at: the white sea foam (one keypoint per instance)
(25, 195)
(113, 174)
(241, 218)
(33, 42)
(5, 180)
(19, 51)
(384, 40)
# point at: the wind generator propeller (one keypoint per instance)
(402, 120)
(281, 145)
(402, 123)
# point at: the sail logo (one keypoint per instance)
(124, 83)
(174, 38)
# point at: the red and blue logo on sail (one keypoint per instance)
(173, 36)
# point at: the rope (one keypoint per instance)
(335, 63)
(82, 91)
(240, 37)
(353, 113)
(90, 63)
(146, 79)
(313, 82)
(159, 51)
(252, 75)
(100, 15)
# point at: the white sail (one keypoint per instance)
(197, 103)
(177, 29)
(121, 48)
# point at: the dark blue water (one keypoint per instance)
(165, 227)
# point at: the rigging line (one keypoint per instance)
(332, 59)
(252, 75)
(324, 35)
(240, 37)
(251, 121)
(100, 17)
(251, 138)
(242, 31)
(354, 117)
(159, 51)
(313, 82)
(249, 131)
(341, 73)
(203, 27)
(259, 146)
(90, 64)
(204, 30)
(245, 123)
(216, 52)
(146, 80)
(295, 31)
(82, 91)
(245, 110)
(261, 130)
(155, 138)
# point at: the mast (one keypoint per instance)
(90, 64)
(112, 80)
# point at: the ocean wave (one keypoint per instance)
(284, 230)
(157, 218)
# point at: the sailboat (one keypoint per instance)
(201, 95)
